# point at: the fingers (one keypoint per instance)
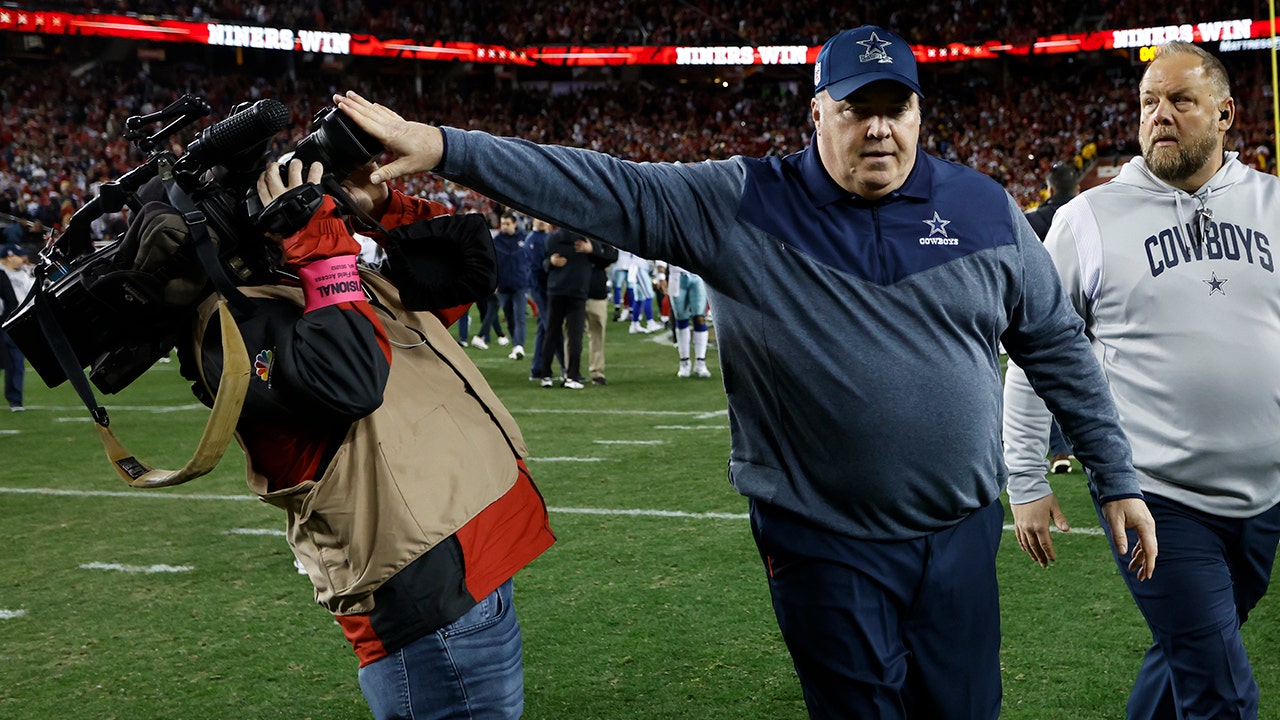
(1035, 541)
(314, 174)
(1031, 522)
(270, 185)
(390, 171)
(1119, 539)
(295, 172)
(1145, 550)
(1060, 521)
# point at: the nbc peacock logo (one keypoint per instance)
(262, 365)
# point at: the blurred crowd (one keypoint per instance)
(60, 126)
(704, 22)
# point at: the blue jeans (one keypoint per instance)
(468, 670)
(464, 326)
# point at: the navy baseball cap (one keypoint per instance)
(853, 58)
(11, 250)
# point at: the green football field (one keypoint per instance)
(184, 603)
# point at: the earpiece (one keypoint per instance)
(1224, 115)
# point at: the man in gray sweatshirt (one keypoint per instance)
(862, 289)
(1171, 267)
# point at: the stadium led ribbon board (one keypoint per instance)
(1230, 35)
(155, 29)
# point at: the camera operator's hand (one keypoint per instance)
(305, 220)
(272, 186)
(371, 197)
(417, 147)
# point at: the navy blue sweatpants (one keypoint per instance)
(1211, 571)
(888, 630)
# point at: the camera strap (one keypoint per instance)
(218, 430)
(66, 357)
(233, 386)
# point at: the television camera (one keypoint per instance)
(116, 312)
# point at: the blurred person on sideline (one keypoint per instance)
(535, 253)
(569, 261)
(1064, 184)
(597, 310)
(1171, 267)
(862, 289)
(513, 281)
(640, 287)
(622, 298)
(688, 297)
(13, 290)
(402, 475)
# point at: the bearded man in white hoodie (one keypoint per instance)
(1171, 266)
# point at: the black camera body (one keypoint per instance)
(336, 142)
(116, 315)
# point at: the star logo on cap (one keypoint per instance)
(1215, 285)
(875, 49)
(938, 226)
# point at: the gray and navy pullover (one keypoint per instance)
(859, 341)
(1180, 297)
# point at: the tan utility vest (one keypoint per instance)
(407, 476)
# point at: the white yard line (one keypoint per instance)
(622, 512)
(11, 614)
(113, 408)
(144, 569)
(696, 414)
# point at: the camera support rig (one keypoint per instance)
(75, 242)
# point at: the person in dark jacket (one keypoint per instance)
(1064, 184)
(535, 251)
(513, 284)
(568, 265)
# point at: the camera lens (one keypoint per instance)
(337, 143)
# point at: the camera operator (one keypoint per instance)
(408, 502)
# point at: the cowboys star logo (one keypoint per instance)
(937, 226)
(1215, 285)
(875, 49)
